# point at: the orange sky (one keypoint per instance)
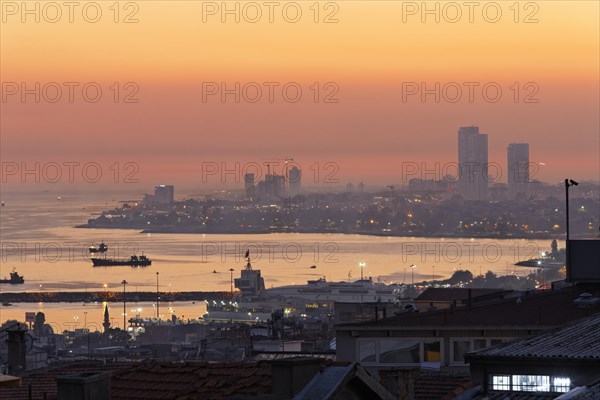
(369, 53)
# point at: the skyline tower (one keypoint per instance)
(295, 181)
(518, 170)
(473, 163)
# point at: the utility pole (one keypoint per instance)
(124, 307)
(231, 272)
(568, 184)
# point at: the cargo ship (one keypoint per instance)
(102, 248)
(134, 261)
(15, 278)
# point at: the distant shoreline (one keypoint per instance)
(109, 296)
(191, 230)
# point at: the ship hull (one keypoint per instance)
(101, 262)
(12, 282)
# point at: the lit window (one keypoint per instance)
(432, 351)
(561, 384)
(531, 383)
(500, 382)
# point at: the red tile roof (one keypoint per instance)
(43, 381)
(157, 380)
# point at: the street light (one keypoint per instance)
(157, 298)
(412, 273)
(362, 266)
(124, 310)
(432, 274)
(568, 184)
(404, 277)
(84, 319)
(231, 272)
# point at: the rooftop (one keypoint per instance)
(456, 294)
(580, 340)
(195, 380)
(534, 309)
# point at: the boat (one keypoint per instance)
(360, 291)
(554, 259)
(134, 261)
(315, 299)
(15, 278)
(541, 263)
(101, 248)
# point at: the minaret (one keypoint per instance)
(106, 323)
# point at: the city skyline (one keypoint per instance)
(549, 89)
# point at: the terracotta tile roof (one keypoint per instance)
(439, 386)
(43, 381)
(191, 380)
(428, 385)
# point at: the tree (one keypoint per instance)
(461, 276)
(38, 323)
(490, 276)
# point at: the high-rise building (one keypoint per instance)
(294, 181)
(249, 185)
(164, 194)
(272, 187)
(473, 163)
(518, 170)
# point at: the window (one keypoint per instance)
(400, 351)
(561, 384)
(460, 347)
(500, 382)
(366, 351)
(432, 351)
(479, 344)
(530, 383)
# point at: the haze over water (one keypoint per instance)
(36, 225)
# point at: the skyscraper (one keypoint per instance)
(249, 185)
(472, 163)
(295, 180)
(518, 170)
(164, 194)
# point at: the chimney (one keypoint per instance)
(16, 350)
(85, 386)
(291, 375)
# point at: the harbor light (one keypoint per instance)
(362, 266)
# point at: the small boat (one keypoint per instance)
(15, 278)
(101, 248)
(6, 304)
